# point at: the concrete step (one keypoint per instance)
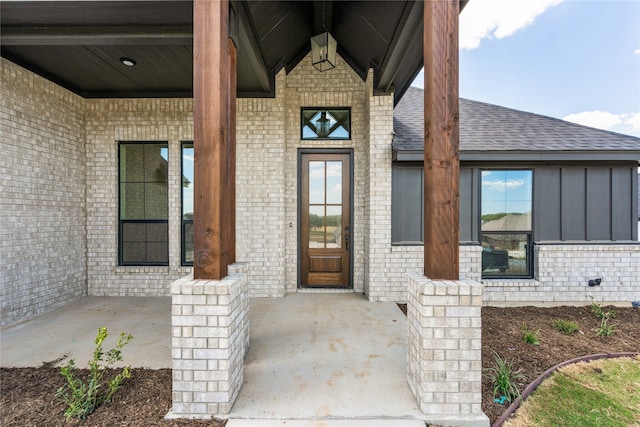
(325, 423)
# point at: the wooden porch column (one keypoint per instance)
(231, 205)
(441, 145)
(213, 143)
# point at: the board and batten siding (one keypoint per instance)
(585, 203)
(407, 199)
(570, 203)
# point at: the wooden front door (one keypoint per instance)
(325, 220)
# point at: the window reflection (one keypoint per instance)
(334, 182)
(316, 226)
(506, 223)
(143, 199)
(326, 123)
(325, 204)
(316, 182)
(187, 203)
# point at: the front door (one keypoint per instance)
(325, 219)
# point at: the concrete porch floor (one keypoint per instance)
(312, 356)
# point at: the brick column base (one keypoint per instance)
(444, 350)
(210, 336)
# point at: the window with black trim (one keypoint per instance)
(187, 203)
(143, 237)
(325, 123)
(506, 218)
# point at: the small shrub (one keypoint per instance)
(504, 378)
(605, 330)
(530, 336)
(597, 310)
(566, 327)
(83, 397)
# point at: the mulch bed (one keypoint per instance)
(27, 395)
(27, 398)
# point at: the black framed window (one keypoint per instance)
(506, 218)
(325, 123)
(143, 237)
(187, 203)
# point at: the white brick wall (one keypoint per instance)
(109, 121)
(395, 262)
(210, 336)
(444, 358)
(261, 220)
(379, 194)
(563, 272)
(42, 207)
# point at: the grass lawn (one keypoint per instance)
(603, 392)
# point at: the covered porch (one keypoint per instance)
(312, 356)
(243, 67)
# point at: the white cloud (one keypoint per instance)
(628, 123)
(316, 170)
(502, 185)
(497, 18)
(334, 169)
(637, 51)
(634, 121)
(597, 119)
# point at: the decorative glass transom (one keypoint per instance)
(320, 123)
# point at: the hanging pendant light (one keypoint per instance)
(323, 125)
(323, 49)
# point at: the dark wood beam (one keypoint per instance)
(405, 35)
(97, 36)
(211, 98)
(231, 158)
(245, 37)
(441, 140)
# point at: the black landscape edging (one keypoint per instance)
(532, 386)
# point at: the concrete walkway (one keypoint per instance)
(325, 356)
(315, 359)
(69, 333)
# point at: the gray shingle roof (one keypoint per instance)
(487, 129)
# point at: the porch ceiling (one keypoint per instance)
(78, 44)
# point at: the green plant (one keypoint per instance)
(530, 336)
(605, 330)
(83, 397)
(566, 327)
(504, 378)
(597, 310)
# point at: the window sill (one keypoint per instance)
(510, 282)
(128, 269)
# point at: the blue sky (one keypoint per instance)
(577, 60)
(507, 191)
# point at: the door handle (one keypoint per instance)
(346, 242)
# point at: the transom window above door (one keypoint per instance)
(326, 123)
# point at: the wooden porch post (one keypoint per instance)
(231, 205)
(441, 145)
(213, 144)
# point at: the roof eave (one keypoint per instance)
(528, 156)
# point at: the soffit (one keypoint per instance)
(78, 44)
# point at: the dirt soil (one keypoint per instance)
(27, 395)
